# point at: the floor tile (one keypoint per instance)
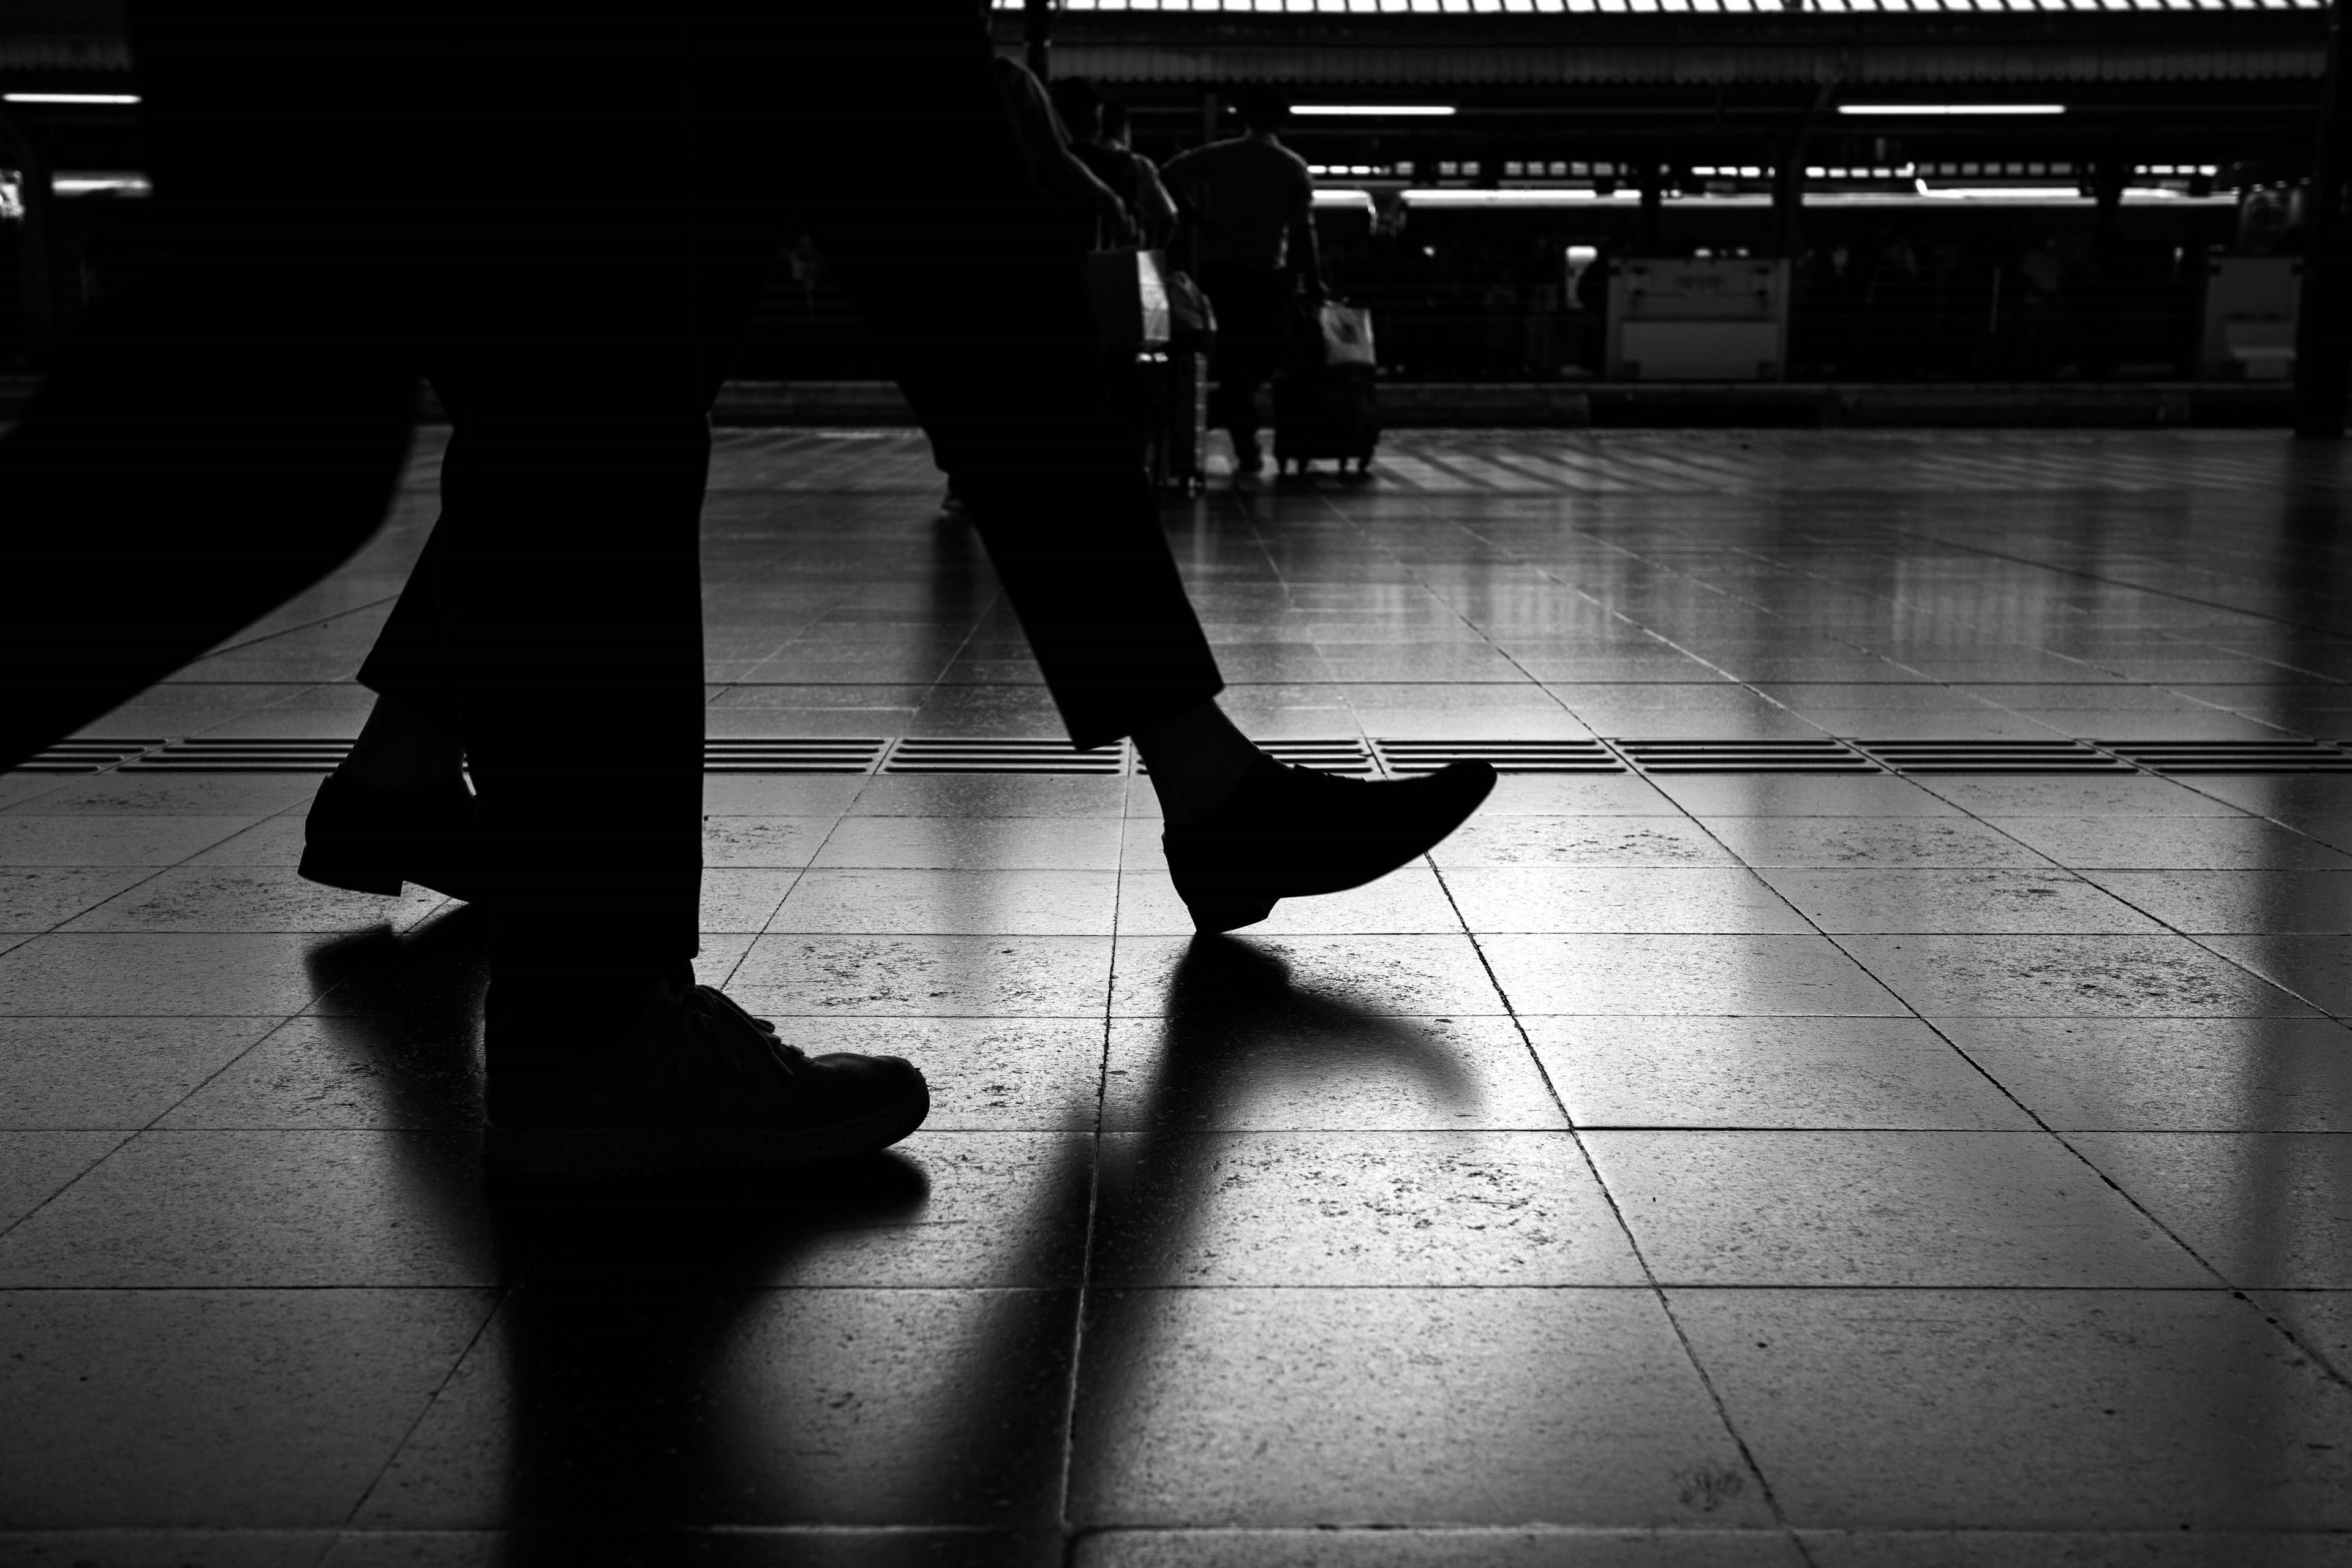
(166, 1548)
(964, 843)
(978, 903)
(926, 976)
(718, 1546)
(1409, 900)
(1702, 1072)
(1576, 795)
(273, 841)
(37, 898)
(111, 1072)
(1355, 1208)
(779, 795)
(2270, 1210)
(263, 1210)
(1880, 1208)
(2163, 1410)
(344, 1073)
(259, 1409)
(986, 1075)
(1612, 899)
(2186, 844)
(2277, 903)
(2320, 1319)
(1363, 976)
(36, 1166)
(1303, 1063)
(2043, 977)
(1461, 1548)
(705, 1405)
(1259, 1407)
(1607, 973)
(90, 839)
(939, 1210)
(1767, 794)
(2130, 1074)
(1578, 841)
(2122, 795)
(250, 899)
(2092, 1549)
(169, 974)
(1842, 903)
(2313, 967)
(1860, 843)
(116, 794)
(789, 842)
(994, 796)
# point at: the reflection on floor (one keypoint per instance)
(1716, 1168)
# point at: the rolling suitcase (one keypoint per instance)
(1325, 401)
(1325, 412)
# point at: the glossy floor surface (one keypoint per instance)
(1709, 1168)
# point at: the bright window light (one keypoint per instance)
(1374, 110)
(68, 97)
(1951, 108)
(1360, 199)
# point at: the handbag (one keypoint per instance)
(1347, 333)
(1129, 291)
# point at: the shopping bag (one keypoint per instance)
(1191, 320)
(1129, 292)
(1347, 333)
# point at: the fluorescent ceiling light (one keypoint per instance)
(1515, 197)
(1344, 198)
(1951, 108)
(1373, 109)
(68, 97)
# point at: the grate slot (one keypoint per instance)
(1745, 757)
(927, 756)
(1410, 757)
(272, 755)
(789, 756)
(1323, 756)
(84, 756)
(2282, 756)
(1990, 757)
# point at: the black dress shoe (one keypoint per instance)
(697, 1085)
(1288, 832)
(371, 840)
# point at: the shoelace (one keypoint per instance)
(744, 1044)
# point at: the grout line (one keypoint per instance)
(1656, 1290)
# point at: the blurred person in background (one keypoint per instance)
(1249, 203)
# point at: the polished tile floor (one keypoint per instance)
(1715, 1168)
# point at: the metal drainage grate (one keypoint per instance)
(84, 756)
(272, 755)
(790, 756)
(2234, 756)
(1323, 756)
(1745, 757)
(1407, 757)
(1001, 756)
(1992, 757)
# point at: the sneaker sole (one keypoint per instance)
(604, 1153)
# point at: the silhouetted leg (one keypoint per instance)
(992, 340)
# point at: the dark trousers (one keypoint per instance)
(1254, 308)
(561, 217)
